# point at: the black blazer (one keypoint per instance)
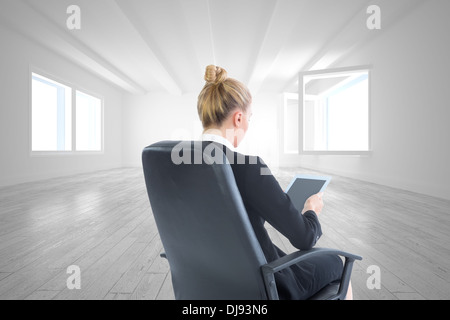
(264, 201)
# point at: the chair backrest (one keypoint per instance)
(209, 242)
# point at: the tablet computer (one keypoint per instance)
(304, 186)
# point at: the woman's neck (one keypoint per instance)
(224, 132)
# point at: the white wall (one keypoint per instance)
(16, 163)
(262, 136)
(156, 117)
(410, 107)
(161, 116)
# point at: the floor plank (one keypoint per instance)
(42, 295)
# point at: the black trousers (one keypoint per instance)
(303, 280)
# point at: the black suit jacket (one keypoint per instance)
(265, 201)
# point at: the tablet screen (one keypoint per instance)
(303, 188)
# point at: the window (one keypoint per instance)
(51, 115)
(89, 122)
(64, 119)
(335, 112)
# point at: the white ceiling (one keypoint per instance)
(164, 45)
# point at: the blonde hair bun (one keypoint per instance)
(215, 74)
(220, 96)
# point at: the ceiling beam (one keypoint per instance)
(165, 78)
(354, 34)
(36, 25)
(279, 28)
(335, 39)
(389, 18)
(198, 17)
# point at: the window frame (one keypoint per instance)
(301, 99)
(75, 88)
(286, 97)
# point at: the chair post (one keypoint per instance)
(270, 284)
(345, 280)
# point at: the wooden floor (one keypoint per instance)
(102, 223)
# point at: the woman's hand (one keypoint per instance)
(314, 203)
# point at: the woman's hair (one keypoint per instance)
(220, 97)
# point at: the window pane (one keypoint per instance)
(348, 112)
(336, 112)
(51, 115)
(89, 122)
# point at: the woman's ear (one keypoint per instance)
(237, 119)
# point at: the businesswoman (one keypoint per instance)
(225, 108)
